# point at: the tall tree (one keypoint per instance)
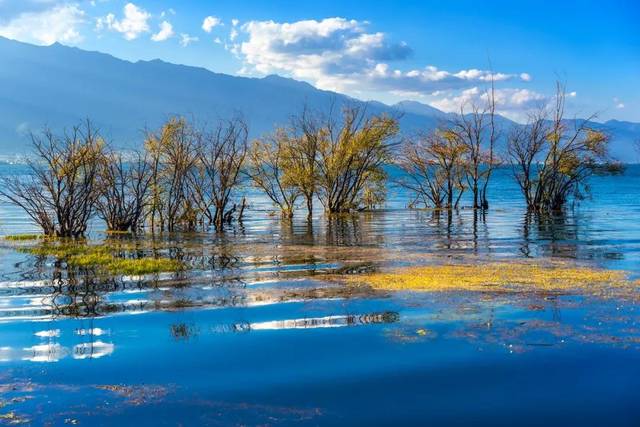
(306, 134)
(172, 153)
(434, 166)
(554, 158)
(351, 155)
(477, 130)
(220, 156)
(125, 182)
(270, 168)
(61, 191)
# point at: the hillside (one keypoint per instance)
(58, 86)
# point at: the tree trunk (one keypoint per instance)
(309, 206)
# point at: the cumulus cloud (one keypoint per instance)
(510, 102)
(340, 54)
(333, 48)
(186, 39)
(58, 24)
(166, 31)
(134, 22)
(210, 22)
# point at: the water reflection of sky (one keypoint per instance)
(255, 334)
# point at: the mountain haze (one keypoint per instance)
(58, 86)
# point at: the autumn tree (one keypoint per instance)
(525, 147)
(434, 167)
(216, 173)
(270, 169)
(306, 134)
(351, 155)
(554, 158)
(172, 154)
(475, 127)
(61, 190)
(125, 182)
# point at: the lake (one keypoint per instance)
(257, 331)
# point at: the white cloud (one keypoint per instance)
(186, 39)
(619, 104)
(233, 35)
(510, 102)
(210, 22)
(59, 24)
(325, 52)
(525, 77)
(235, 22)
(342, 55)
(572, 94)
(166, 31)
(134, 23)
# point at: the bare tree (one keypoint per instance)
(61, 190)
(220, 155)
(525, 147)
(124, 190)
(477, 130)
(435, 169)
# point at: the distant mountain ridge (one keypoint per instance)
(59, 86)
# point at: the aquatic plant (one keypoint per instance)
(495, 277)
(22, 237)
(105, 257)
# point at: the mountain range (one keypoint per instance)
(58, 86)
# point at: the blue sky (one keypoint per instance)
(436, 52)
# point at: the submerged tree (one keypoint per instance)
(215, 175)
(553, 158)
(525, 147)
(61, 190)
(351, 155)
(306, 135)
(270, 169)
(172, 155)
(477, 130)
(435, 169)
(125, 184)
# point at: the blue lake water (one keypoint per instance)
(255, 334)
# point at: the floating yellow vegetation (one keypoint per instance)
(23, 237)
(126, 266)
(107, 258)
(496, 277)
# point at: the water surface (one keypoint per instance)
(256, 334)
